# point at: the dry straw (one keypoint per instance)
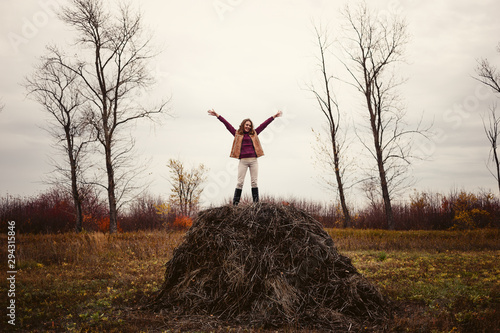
(267, 265)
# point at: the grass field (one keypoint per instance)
(438, 281)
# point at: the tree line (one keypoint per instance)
(53, 212)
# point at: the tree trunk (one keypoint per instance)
(79, 215)
(73, 162)
(385, 196)
(336, 159)
(497, 164)
(327, 109)
(76, 199)
(375, 115)
(113, 212)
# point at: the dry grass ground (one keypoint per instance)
(438, 281)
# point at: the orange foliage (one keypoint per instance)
(182, 222)
(103, 225)
(467, 211)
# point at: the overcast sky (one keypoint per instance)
(250, 59)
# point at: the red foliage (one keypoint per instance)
(47, 213)
(103, 224)
(182, 223)
(50, 212)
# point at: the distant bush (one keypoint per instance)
(181, 223)
(48, 212)
(458, 210)
(53, 212)
(471, 211)
(142, 214)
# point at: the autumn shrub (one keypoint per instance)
(331, 216)
(181, 222)
(371, 217)
(434, 211)
(142, 214)
(423, 212)
(53, 212)
(102, 225)
(470, 211)
(95, 211)
(50, 212)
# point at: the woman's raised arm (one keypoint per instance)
(229, 127)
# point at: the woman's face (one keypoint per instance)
(248, 126)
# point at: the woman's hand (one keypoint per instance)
(279, 114)
(213, 113)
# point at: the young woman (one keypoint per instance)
(247, 148)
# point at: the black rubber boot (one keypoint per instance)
(255, 194)
(237, 196)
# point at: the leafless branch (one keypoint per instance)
(489, 75)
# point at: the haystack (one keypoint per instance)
(268, 266)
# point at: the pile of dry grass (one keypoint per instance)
(266, 265)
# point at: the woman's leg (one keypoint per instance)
(242, 171)
(254, 175)
(253, 165)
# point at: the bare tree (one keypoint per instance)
(56, 88)
(330, 108)
(111, 65)
(186, 186)
(373, 47)
(489, 75)
(492, 131)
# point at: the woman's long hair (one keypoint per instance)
(241, 130)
